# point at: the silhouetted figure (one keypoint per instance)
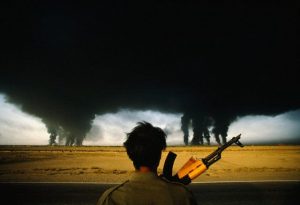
(144, 146)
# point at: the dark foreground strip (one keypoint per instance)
(242, 193)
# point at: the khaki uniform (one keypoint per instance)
(147, 188)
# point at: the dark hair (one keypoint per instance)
(144, 145)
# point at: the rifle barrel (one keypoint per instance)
(220, 149)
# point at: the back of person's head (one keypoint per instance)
(144, 145)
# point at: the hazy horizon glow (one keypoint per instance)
(19, 128)
(112, 127)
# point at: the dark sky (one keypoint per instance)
(65, 62)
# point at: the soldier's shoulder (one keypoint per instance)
(114, 188)
(180, 191)
(175, 184)
(106, 194)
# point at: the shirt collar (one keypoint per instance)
(143, 176)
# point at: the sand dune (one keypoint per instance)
(110, 164)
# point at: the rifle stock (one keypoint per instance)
(195, 166)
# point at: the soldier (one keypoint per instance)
(144, 146)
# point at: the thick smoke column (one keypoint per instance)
(53, 130)
(58, 135)
(67, 62)
(185, 122)
(53, 134)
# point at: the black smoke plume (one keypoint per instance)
(67, 62)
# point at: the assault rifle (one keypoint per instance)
(194, 166)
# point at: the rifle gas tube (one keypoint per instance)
(195, 166)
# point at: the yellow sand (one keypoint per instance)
(110, 164)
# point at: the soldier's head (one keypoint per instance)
(144, 145)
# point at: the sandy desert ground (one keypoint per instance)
(110, 164)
